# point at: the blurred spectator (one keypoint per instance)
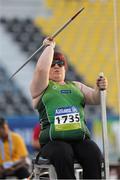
(13, 153)
(35, 137)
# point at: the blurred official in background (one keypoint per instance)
(35, 137)
(13, 153)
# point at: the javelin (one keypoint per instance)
(53, 36)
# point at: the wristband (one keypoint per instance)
(50, 45)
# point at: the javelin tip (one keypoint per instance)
(77, 13)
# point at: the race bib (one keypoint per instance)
(67, 118)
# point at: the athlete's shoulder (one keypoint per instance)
(78, 84)
(16, 135)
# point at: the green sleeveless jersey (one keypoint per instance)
(61, 110)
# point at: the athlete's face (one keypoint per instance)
(57, 71)
(4, 131)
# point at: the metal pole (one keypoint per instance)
(104, 131)
(117, 66)
(53, 36)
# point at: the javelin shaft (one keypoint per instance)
(53, 36)
(105, 135)
(66, 24)
(27, 61)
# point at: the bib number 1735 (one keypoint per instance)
(67, 118)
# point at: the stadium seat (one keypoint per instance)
(12, 100)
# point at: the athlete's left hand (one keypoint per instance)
(102, 83)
